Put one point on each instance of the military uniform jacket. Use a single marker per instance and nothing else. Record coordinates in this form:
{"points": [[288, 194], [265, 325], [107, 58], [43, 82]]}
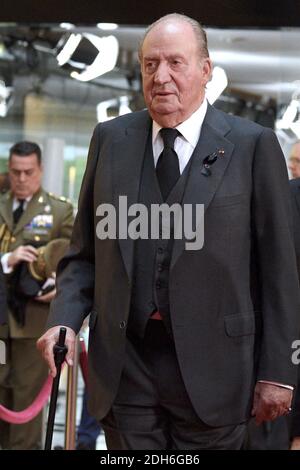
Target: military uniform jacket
{"points": [[46, 217]]}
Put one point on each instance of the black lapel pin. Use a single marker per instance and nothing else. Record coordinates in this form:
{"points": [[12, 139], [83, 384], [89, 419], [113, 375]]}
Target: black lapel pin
{"points": [[210, 160]]}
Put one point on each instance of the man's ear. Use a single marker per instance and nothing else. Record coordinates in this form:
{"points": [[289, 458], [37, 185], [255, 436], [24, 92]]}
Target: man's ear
{"points": [[207, 70]]}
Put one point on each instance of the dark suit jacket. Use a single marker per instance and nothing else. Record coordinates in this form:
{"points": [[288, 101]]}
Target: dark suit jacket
{"points": [[243, 278], [295, 190]]}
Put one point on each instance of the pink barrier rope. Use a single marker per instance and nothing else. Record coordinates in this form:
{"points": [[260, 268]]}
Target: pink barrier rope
{"points": [[83, 361], [21, 417]]}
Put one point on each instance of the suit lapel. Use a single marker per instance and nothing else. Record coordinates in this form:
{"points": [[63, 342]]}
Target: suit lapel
{"points": [[128, 156], [200, 189]]}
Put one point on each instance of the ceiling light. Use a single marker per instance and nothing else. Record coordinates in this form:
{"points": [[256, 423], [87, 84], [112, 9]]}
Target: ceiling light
{"points": [[5, 98], [124, 105], [217, 84], [289, 115], [121, 103], [106, 59], [67, 26], [107, 26], [87, 55], [289, 119], [68, 49]]}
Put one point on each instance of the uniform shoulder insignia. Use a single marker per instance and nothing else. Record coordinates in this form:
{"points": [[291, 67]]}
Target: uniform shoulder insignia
{"points": [[4, 196], [59, 198]]}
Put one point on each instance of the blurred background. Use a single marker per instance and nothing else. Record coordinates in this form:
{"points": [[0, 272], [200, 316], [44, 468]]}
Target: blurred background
{"points": [[58, 79]]}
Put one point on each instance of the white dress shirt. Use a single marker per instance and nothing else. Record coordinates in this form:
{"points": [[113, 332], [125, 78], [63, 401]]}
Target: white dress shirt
{"points": [[186, 142], [16, 203]]}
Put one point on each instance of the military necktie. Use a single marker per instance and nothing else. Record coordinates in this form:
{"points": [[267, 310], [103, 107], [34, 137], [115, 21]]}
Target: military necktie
{"points": [[167, 168], [18, 211]]}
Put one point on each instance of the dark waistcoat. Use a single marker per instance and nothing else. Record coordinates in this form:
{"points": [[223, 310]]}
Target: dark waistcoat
{"points": [[152, 257]]}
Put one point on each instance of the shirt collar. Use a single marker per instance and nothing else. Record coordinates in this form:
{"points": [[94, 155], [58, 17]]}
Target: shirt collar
{"points": [[26, 200], [189, 129]]}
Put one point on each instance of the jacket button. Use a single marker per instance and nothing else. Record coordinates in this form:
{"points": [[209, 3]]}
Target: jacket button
{"points": [[122, 324]]}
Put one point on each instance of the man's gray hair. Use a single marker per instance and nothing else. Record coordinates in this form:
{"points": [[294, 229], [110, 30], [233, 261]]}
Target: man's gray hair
{"points": [[200, 34]]}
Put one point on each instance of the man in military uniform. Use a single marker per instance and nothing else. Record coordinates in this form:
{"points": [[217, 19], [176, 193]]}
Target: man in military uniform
{"points": [[29, 218]]}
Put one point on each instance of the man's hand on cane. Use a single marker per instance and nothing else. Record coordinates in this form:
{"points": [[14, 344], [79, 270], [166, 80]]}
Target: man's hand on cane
{"points": [[46, 343]]}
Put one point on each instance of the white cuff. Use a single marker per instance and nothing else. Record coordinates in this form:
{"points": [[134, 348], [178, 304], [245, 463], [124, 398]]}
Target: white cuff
{"points": [[277, 384], [4, 261]]}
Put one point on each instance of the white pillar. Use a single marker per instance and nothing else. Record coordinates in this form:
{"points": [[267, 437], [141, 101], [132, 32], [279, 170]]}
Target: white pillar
{"points": [[53, 165]]}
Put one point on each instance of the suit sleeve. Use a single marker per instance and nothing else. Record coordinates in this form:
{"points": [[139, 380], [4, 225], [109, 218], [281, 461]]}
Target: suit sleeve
{"points": [[75, 273], [276, 261], [295, 193]]}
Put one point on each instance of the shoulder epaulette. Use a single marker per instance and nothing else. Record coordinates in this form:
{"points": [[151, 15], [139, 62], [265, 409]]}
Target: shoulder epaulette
{"points": [[5, 196], [59, 198]]}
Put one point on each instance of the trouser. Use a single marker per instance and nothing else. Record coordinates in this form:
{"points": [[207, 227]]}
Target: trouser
{"points": [[21, 378], [271, 435], [152, 410]]}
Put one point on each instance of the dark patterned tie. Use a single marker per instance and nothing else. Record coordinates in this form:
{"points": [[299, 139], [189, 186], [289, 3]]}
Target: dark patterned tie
{"points": [[167, 168], [18, 211]]}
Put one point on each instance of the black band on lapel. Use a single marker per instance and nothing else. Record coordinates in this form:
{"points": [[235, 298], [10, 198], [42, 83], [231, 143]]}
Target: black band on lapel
{"points": [[210, 160]]}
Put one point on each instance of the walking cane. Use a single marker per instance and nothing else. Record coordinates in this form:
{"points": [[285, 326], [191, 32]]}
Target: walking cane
{"points": [[59, 351]]}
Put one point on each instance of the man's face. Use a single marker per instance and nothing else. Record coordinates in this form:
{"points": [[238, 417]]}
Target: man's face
{"points": [[25, 175], [174, 74], [294, 161]]}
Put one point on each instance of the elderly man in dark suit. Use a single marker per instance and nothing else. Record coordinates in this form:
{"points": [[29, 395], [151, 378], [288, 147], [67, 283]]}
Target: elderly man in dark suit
{"points": [[185, 343]]}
